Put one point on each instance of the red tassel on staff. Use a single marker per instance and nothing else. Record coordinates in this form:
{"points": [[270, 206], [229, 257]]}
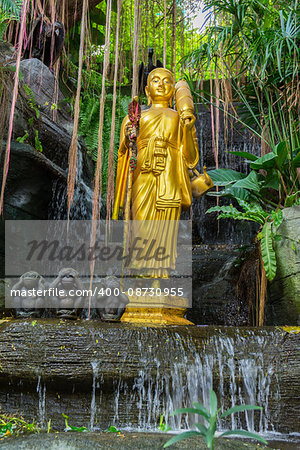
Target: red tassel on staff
{"points": [[134, 114]]}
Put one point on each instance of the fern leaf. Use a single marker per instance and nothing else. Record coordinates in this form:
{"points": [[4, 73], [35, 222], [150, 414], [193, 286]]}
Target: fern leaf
{"points": [[223, 209], [11, 8]]}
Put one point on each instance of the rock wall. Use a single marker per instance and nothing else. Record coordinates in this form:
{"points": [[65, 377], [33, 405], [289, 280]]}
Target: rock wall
{"points": [[284, 291], [206, 228], [34, 176]]}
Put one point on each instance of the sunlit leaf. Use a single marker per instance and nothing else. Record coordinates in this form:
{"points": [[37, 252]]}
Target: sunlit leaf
{"points": [[244, 433], [239, 408], [267, 251], [224, 177], [180, 437], [246, 155], [265, 162], [213, 403], [250, 182]]}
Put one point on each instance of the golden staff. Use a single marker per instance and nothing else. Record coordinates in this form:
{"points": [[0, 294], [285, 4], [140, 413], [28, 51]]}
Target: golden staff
{"points": [[132, 132]]}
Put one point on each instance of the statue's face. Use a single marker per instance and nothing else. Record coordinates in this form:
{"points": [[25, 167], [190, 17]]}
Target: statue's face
{"points": [[160, 85], [30, 279]]}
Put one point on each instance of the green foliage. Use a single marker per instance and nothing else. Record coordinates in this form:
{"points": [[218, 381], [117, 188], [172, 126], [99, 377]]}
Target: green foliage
{"points": [[259, 193], [151, 34], [224, 177], [31, 100], [70, 428], [254, 45], [278, 184], [37, 143], [162, 425], [212, 417], [112, 429], [269, 223], [13, 426], [253, 212], [24, 138], [89, 127], [261, 34], [9, 10], [267, 250]]}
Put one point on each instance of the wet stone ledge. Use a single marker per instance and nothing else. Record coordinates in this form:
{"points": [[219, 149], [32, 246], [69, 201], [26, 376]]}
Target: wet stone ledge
{"points": [[103, 374]]}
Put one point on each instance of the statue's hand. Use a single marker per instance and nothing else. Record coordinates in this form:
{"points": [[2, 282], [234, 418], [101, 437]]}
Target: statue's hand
{"points": [[187, 119]]}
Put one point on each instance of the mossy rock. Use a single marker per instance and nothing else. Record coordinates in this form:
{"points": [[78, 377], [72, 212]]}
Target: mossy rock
{"points": [[285, 289]]}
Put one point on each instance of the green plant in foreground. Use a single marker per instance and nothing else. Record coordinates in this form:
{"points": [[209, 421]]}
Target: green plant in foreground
{"points": [[70, 428], [112, 429], [212, 417], [162, 425]]}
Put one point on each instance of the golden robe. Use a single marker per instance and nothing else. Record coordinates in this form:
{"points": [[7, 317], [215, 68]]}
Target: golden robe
{"points": [[161, 183]]}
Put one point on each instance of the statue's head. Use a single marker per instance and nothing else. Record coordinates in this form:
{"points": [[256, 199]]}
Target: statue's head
{"points": [[160, 86], [30, 279], [68, 276]]}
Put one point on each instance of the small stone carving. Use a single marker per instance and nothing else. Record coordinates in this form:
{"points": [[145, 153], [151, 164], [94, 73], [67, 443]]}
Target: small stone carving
{"points": [[111, 305], [28, 302], [66, 293]]}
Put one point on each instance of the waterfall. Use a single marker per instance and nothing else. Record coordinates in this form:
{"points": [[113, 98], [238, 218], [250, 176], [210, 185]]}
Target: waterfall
{"points": [[129, 376], [206, 228], [95, 365], [41, 390], [237, 379], [83, 197]]}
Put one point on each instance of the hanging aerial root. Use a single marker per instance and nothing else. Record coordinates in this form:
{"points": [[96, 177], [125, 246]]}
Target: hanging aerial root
{"points": [[4, 103], [97, 185], [74, 141], [111, 169], [14, 100], [251, 287], [262, 291]]}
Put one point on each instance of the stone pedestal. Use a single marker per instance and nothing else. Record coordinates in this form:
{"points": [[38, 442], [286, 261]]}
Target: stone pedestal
{"points": [[154, 310]]}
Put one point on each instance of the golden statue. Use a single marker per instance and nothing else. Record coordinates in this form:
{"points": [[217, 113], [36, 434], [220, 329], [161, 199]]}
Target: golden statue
{"points": [[167, 152]]}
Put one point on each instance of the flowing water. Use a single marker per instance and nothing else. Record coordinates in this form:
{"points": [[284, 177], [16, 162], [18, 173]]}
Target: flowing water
{"points": [[41, 390], [110, 374], [174, 371], [83, 197], [177, 372], [243, 380]]}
